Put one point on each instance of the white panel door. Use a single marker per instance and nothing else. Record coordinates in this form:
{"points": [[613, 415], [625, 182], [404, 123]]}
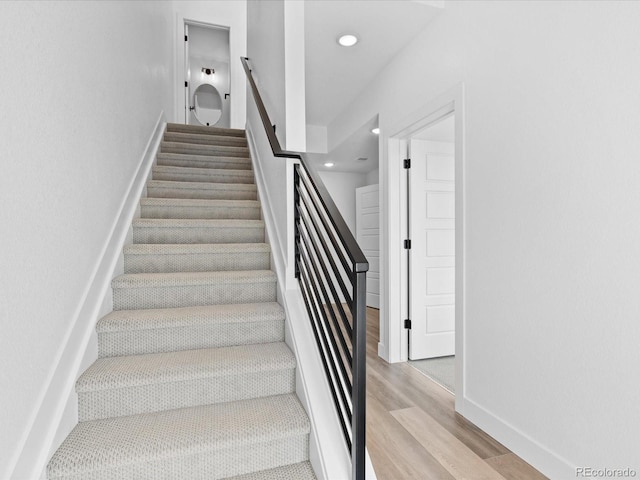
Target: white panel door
{"points": [[368, 237], [432, 255]]}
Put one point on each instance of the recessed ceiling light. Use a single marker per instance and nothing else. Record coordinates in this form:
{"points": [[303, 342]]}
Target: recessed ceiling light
{"points": [[329, 164], [375, 130], [348, 40]]}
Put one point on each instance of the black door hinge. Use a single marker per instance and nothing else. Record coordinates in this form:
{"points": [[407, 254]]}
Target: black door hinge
{"points": [[407, 324], [186, 84], [407, 244], [407, 163], [186, 39]]}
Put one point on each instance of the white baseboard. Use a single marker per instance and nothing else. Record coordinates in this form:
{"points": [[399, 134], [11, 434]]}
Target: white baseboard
{"points": [[544, 460], [383, 351], [56, 413]]}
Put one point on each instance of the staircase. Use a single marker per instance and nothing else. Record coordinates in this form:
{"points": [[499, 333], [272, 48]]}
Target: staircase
{"points": [[193, 378]]}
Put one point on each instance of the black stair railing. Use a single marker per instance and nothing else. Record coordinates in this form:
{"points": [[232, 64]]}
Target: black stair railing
{"points": [[331, 270]]}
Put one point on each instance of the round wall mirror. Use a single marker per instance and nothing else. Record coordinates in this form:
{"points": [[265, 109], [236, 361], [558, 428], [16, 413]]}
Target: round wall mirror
{"points": [[207, 104]]}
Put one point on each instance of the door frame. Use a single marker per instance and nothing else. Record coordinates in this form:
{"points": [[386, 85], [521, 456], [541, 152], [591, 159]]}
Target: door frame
{"points": [[237, 80], [393, 345], [185, 64]]}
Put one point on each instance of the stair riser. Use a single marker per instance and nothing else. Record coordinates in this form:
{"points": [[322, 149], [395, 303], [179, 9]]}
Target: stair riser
{"points": [[211, 464], [206, 150], [194, 138], [193, 295], [197, 235], [197, 161], [157, 263], [201, 391], [215, 176], [202, 130], [116, 344], [204, 194], [204, 212]]}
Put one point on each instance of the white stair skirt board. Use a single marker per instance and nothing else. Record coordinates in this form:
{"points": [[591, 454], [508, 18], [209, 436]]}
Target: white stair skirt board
{"points": [[194, 379]]}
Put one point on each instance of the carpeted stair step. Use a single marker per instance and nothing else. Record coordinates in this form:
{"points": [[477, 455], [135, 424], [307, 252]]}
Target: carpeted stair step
{"points": [[190, 289], [190, 174], [118, 386], [202, 130], [202, 190], [297, 471], [200, 161], [204, 139], [158, 258], [154, 230], [209, 150], [206, 442], [135, 332], [198, 208]]}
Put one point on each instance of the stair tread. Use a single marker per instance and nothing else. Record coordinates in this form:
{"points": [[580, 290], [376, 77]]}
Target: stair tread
{"points": [[205, 139], [178, 127], [154, 368], [201, 185], [208, 172], [295, 471], [197, 223], [200, 149], [150, 319], [155, 280], [201, 146], [199, 202], [112, 442], [195, 248], [206, 161]]}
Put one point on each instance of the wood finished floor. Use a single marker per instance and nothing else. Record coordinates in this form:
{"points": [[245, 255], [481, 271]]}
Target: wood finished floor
{"points": [[413, 431]]}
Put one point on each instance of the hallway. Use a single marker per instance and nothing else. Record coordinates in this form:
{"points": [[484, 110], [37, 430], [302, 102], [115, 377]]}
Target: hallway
{"points": [[414, 433]]}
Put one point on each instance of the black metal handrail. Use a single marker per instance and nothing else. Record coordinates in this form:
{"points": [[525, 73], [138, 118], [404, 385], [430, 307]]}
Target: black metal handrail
{"points": [[326, 255]]}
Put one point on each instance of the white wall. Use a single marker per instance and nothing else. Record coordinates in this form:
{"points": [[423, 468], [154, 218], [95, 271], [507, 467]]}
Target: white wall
{"points": [[371, 177], [342, 188], [79, 103], [275, 45], [265, 49], [226, 13], [273, 67], [552, 175], [316, 138], [294, 77]]}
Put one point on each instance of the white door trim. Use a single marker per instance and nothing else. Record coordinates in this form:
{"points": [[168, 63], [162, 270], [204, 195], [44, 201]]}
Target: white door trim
{"points": [[237, 79], [394, 338]]}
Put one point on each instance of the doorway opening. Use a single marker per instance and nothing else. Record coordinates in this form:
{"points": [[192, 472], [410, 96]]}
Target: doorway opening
{"points": [[442, 279], [431, 258], [207, 75]]}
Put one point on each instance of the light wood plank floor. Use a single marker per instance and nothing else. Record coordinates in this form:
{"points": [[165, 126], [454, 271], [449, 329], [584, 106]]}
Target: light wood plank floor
{"points": [[413, 431]]}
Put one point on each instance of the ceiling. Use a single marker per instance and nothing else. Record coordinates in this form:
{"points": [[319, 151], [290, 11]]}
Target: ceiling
{"points": [[335, 75], [349, 155]]}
